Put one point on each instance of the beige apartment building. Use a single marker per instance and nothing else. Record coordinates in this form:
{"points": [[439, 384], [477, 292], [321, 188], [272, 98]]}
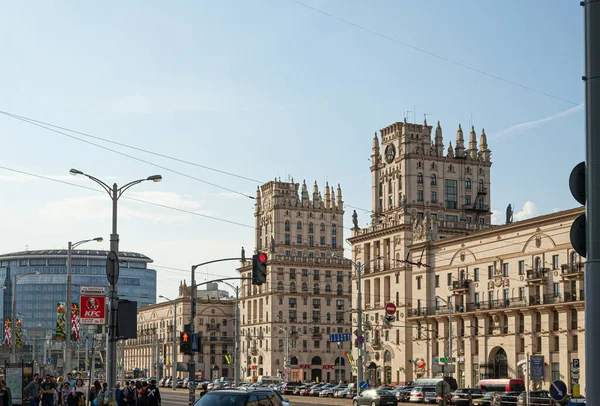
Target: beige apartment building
{"points": [[514, 290], [420, 190], [215, 321], [286, 322]]}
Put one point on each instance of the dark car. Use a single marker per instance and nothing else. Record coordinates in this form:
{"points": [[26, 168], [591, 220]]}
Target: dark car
{"points": [[404, 394], [461, 396], [232, 397], [536, 397], [375, 397], [509, 398]]}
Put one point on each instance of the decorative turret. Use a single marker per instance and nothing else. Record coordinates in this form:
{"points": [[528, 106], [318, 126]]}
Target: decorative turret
{"points": [[460, 143], [339, 202], [327, 196], [315, 198], [483, 146], [333, 206], [258, 200], [305, 199], [450, 151], [375, 152], [439, 140], [473, 143]]}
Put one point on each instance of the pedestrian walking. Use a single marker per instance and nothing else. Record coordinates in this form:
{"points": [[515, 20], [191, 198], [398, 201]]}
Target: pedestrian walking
{"points": [[32, 391]]}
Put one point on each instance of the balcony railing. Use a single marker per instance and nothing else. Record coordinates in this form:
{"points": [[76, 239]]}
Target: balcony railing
{"points": [[537, 274], [458, 286], [213, 326], [376, 344], [572, 269]]}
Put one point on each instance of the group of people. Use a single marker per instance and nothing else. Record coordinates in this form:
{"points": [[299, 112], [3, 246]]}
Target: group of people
{"points": [[71, 392], [53, 391]]}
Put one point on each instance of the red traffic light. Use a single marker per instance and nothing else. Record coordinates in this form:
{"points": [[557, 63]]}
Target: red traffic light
{"points": [[262, 257], [186, 337]]}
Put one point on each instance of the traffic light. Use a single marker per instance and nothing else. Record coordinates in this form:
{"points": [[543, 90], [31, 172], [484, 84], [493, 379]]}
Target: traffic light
{"points": [[259, 268], [577, 186], [185, 343]]}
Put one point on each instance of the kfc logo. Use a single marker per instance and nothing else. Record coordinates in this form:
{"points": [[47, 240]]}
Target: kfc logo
{"points": [[92, 310]]}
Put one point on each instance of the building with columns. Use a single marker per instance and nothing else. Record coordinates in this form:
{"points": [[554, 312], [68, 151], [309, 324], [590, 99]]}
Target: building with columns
{"points": [[420, 190], [215, 322], [514, 290], [307, 295]]}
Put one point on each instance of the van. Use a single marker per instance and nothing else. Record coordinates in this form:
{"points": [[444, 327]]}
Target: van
{"points": [[501, 385], [434, 381], [268, 380]]}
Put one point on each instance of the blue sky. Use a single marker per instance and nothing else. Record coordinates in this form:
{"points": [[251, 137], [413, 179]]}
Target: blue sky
{"points": [[251, 87]]}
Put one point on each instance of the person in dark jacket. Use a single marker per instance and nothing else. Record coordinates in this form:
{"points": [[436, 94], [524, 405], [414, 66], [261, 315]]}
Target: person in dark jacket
{"points": [[32, 391], [153, 394]]}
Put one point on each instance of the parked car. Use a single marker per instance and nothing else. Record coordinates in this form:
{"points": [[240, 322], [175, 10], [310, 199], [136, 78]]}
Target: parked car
{"points": [[239, 398], [375, 397], [461, 396]]}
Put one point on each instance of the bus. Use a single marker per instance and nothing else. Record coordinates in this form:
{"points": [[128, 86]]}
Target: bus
{"points": [[268, 380], [501, 385]]}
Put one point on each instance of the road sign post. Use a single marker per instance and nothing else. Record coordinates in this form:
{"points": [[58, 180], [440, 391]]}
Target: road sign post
{"points": [[390, 309], [558, 390]]}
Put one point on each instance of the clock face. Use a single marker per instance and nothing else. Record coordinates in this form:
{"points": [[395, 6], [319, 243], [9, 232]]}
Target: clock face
{"points": [[390, 153]]}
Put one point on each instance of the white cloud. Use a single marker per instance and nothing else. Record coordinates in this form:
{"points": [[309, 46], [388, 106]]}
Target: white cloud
{"points": [[522, 127], [528, 211], [15, 177], [496, 217], [99, 208], [228, 195]]}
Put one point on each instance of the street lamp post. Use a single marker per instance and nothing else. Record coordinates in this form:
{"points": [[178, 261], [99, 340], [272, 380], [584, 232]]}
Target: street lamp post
{"points": [[359, 332], [14, 315], [449, 303], [174, 356], [115, 193], [68, 305], [237, 362]]}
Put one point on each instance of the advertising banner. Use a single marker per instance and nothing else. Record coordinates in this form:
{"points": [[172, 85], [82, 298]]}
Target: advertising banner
{"points": [[7, 331], [92, 305], [537, 367], [60, 321], [19, 333], [75, 322]]}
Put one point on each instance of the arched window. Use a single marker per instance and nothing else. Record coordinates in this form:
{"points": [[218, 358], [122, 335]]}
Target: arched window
{"points": [[322, 227], [316, 361], [462, 275], [573, 258], [480, 185], [328, 288], [299, 225], [333, 229], [280, 286], [538, 263], [468, 183], [294, 360], [433, 180], [280, 315], [260, 359], [310, 228], [292, 286], [419, 177], [340, 290], [316, 288], [304, 287], [287, 225], [387, 356]]}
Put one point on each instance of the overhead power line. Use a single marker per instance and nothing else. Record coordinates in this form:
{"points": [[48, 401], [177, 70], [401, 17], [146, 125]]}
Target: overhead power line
{"points": [[127, 155], [434, 55], [128, 197]]}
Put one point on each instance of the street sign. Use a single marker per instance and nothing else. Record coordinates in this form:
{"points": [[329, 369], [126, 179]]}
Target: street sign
{"points": [[339, 338], [288, 364], [575, 362], [536, 363], [442, 388], [390, 319], [575, 377], [112, 268], [287, 370], [92, 305], [390, 308], [363, 385], [360, 339], [558, 390]]}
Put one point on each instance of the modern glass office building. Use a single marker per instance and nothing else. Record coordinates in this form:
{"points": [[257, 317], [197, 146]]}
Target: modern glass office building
{"points": [[37, 296]]}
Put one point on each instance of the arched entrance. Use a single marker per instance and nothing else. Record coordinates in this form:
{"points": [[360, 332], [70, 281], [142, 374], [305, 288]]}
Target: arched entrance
{"points": [[499, 363], [315, 372], [387, 368]]}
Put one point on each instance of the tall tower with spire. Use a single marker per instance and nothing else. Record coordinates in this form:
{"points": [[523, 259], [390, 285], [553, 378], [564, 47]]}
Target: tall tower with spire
{"points": [[422, 191], [307, 295]]}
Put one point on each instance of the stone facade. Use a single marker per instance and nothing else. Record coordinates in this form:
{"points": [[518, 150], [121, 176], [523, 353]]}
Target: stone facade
{"points": [[307, 295], [215, 321]]}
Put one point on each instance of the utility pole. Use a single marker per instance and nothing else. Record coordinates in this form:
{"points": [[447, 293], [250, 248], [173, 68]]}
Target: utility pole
{"points": [[450, 334], [68, 315], [157, 359], [174, 357], [191, 362], [359, 332], [286, 355], [238, 362], [592, 188]]}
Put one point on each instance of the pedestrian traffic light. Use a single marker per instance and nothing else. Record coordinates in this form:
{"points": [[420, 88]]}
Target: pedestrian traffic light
{"points": [[259, 268], [578, 228], [185, 343]]}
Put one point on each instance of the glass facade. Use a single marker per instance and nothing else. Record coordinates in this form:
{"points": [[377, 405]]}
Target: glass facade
{"points": [[38, 295]]}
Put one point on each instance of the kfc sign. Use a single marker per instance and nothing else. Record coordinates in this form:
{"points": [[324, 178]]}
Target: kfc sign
{"points": [[92, 305], [328, 366]]}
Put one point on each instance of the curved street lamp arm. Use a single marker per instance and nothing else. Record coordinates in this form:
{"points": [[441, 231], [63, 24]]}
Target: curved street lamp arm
{"points": [[98, 181], [122, 189]]}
